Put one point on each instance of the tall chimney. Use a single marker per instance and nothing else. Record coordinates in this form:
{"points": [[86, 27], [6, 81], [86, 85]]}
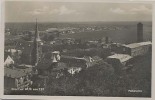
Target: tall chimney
{"points": [[139, 32]]}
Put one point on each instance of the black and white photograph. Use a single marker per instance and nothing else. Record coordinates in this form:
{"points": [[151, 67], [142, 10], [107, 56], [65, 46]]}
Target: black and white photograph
{"points": [[91, 49]]}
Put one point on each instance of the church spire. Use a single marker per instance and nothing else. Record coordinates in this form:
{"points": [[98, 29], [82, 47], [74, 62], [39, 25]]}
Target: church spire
{"points": [[36, 32], [35, 53]]}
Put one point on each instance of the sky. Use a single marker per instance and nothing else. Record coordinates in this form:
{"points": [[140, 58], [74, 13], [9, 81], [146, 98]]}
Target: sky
{"points": [[28, 11]]}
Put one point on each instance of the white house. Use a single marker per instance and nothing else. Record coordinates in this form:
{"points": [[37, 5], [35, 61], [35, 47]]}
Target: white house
{"points": [[8, 60], [120, 58], [74, 70]]}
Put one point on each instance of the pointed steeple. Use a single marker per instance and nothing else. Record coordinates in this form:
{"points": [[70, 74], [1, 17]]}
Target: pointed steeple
{"points": [[35, 53], [37, 37]]}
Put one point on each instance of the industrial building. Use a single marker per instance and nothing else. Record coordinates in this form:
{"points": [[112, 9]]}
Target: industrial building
{"points": [[136, 49]]}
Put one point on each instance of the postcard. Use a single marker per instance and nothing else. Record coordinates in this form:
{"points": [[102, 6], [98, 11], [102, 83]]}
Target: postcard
{"points": [[71, 49]]}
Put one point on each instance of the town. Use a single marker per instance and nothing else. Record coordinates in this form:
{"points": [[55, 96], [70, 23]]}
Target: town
{"points": [[34, 61]]}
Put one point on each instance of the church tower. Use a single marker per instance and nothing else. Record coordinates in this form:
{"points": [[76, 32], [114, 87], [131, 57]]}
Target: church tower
{"points": [[35, 49]]}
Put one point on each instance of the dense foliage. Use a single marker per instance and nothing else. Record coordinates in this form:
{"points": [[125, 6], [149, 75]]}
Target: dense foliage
{"points": [[102, 80]]}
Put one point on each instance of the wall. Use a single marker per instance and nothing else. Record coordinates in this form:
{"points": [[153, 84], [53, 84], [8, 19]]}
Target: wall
{"points": [[137, 51]]}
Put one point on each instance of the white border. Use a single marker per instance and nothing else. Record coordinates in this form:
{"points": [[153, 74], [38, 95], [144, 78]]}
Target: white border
{"points": [[75, 97]]}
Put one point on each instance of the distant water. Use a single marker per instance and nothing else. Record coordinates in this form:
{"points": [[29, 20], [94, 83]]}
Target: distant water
{"points": [[127, 35]]}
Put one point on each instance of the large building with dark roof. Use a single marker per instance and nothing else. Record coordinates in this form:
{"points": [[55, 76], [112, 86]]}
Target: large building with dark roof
{"points": [[137, 49]]}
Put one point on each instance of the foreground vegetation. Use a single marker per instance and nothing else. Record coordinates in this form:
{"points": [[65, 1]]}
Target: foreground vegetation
{"points": [[101, 80]]}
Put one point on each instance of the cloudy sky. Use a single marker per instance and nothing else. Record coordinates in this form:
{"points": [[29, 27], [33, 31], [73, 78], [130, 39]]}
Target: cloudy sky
{"points": [[28, 11]]}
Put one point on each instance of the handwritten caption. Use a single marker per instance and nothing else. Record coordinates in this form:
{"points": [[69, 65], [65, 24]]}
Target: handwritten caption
{"points": [[27, 89], [135, 91]]}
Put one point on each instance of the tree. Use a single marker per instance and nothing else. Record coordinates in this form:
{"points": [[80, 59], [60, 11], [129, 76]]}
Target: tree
{"points": [[51, 38]]}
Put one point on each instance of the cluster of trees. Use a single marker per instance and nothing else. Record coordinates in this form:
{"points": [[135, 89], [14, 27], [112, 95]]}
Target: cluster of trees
{"points": [[103, 53], [50, 36], [47, 37], [90, 82], [102, 80]]}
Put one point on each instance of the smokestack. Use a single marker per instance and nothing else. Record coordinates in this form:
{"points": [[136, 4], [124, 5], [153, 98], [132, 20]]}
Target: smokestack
{"points": [[139, 32]]}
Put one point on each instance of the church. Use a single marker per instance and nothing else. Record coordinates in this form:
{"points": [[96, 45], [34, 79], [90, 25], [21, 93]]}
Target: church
{"points": [[31, 50]]}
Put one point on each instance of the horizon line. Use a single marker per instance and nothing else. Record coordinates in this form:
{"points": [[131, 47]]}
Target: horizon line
{"points": [[72, 21]]}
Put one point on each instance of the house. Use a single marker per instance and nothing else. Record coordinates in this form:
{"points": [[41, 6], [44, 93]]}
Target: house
{"points": [[58, 41], [74, 61], [58, 64], [60, 69], [136, 49], [106, 46], [74, 70], [8, 60], [118, 60], [47, 67], [13, 51], [92, 43], [25, 66], [105, 40], [82, 62], [96, 58], [51, 64], [55, 56], [68, 41], [56, 67], [90, 61], [15, 54], [52, 42], [17, 78]]}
